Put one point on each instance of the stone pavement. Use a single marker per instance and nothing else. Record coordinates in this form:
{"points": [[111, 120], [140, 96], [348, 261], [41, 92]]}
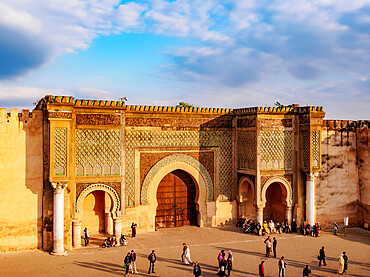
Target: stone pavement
{"points": [[205, 244]]}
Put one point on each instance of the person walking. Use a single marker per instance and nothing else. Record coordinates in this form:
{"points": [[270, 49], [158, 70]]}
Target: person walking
{"points": [[341, 264], [133, 262], [274, 245], [196, 270], [152, 258], [86, 236], [186, 254], [282, 265], [322, 256], [345, 258], [126, 263], [306, 271], [229, 263], [133, 229], [261, 269]]}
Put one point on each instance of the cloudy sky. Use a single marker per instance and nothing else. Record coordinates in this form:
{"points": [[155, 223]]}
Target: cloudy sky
{"points": [[211, 53]]}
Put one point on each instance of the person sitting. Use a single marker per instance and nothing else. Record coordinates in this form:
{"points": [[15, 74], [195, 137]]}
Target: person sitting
{"points": [[105, 244], [272, 227], [109, 242], [114, 241], [123, 240], [278, 227], [265, 228]]}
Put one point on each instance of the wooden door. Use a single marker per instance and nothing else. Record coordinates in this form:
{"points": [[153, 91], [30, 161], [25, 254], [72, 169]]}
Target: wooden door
{"points": [[176, 201]]}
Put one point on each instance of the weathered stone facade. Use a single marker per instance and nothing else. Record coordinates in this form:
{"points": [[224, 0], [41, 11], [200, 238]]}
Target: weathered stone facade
{"points": [[261, 162]]}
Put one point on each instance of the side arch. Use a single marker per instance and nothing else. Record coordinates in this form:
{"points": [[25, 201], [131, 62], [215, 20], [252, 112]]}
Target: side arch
{"points": [[249, 180], [95, 187], [282, 181]]}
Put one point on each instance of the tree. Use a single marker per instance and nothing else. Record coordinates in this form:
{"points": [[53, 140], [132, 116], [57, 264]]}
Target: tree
{"points": [[184, 105]]}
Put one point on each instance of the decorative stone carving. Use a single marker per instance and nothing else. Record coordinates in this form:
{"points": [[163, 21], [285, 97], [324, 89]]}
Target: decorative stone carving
{"points": [[98, 119], [98, 152], [60, 151], [60, 115], [108, 189], [276, 150], [171, 159], [164, 138], [268, 123], [179, 122], [246, 145], [114, 185]]}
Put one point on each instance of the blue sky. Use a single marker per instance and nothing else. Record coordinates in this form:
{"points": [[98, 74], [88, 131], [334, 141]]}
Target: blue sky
{"points": [[206, 52]]}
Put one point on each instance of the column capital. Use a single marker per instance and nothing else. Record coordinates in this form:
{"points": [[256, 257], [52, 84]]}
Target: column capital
{"points": [[311, 176], [59, 187]]}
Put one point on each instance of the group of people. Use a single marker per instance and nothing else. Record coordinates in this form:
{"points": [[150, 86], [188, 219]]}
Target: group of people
{"points": [[129, 263], [343, 260], [270, 246], [110, 242], [281, 264], [309, 230], [225, 263], [250, 226]]}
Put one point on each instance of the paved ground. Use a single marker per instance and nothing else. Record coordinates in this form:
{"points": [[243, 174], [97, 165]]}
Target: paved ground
{"points": [[205, 244]]}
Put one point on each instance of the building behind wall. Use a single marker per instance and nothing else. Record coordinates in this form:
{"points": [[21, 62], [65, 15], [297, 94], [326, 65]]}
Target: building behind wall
{"points": [[168, 166]]}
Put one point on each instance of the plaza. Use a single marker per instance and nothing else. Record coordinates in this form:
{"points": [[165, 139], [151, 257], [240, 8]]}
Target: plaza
{"points": [[205, 244]]}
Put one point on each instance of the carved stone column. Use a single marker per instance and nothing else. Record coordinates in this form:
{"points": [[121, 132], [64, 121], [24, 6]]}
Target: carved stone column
{"points": [[76, 229], [288, 214], [260, 214], [108, 223], [58, 219], [310, 199], [117, 229]]}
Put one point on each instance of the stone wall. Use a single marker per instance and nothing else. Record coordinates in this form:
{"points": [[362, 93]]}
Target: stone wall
{"points": [[342, 187], [20, 180]]}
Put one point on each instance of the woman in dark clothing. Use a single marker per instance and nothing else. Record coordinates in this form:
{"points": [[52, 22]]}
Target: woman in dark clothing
{"points": [[306, 271], [345, 258], [222, 270], [127, 262], [197, 271], [229, 264]]}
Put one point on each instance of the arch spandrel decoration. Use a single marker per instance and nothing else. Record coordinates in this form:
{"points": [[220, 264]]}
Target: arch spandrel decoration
{"points": [[96, 187], [173, 159], [284, 182]]}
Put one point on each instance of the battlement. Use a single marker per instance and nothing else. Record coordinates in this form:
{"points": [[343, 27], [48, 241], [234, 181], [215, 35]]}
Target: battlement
{"points": [[25, 116], [282, 109], [169, 109], [69, 100], [342, 124]]}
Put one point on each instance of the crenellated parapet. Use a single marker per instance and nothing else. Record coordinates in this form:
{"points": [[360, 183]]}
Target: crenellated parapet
{"points": [[23, 119]]}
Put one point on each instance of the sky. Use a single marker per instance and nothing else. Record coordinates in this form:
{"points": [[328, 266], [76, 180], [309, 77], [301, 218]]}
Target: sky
{"points": [[209, 53]]}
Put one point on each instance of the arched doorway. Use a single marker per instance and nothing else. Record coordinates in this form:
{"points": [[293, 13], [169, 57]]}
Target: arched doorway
{"points": [[246, 196], [275, 207], [97, 212], [176, 194]]}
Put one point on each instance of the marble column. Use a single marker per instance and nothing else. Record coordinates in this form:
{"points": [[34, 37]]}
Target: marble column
{"points": [[108, 223], [117, 229], [310, 199], [288, 214], [58, 221], [76, 229]]}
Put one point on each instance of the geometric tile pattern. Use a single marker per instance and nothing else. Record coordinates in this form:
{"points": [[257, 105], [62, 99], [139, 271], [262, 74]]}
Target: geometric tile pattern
{"points": [[60, 151], [315, 148], [171, 159], [161, 138], [276, 150], [306, 148], [246, 149], [98, 152]]}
